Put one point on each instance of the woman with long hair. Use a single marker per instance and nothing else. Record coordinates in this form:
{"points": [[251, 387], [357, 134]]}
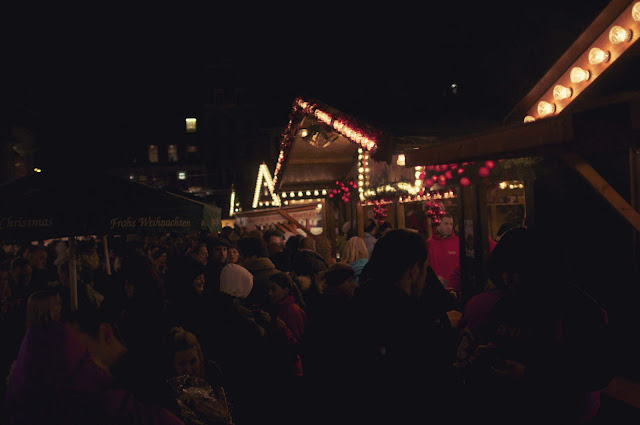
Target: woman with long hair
{"points": [[193, 397], [42, 306], [356, 255]]}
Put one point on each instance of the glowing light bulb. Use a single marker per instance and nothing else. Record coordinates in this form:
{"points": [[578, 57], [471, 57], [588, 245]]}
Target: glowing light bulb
{"points": [[635, 12], [619, 35], [546, 108], [579, 75], [529, 118], [597, 56], [561, 92]]}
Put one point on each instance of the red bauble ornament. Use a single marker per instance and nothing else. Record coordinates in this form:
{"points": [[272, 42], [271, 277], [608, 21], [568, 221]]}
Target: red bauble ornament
{"points": [[434, 177], [443, 167], [437, 168], [422, 176], [448, 174], [483, 172], [453, 166], [489, 164], [429, 183], [460, 170], [465, 181], [430, 167]]}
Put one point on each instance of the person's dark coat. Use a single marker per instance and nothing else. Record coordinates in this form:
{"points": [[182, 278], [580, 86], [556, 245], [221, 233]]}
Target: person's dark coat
{"points": [[399, 357]]}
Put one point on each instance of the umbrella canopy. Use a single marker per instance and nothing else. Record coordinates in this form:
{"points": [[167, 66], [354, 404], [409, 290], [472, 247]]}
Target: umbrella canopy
{"points": [[62, 203]]}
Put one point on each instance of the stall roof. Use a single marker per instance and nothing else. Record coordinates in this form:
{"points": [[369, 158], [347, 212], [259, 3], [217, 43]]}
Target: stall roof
{"points": [[320, 145]]}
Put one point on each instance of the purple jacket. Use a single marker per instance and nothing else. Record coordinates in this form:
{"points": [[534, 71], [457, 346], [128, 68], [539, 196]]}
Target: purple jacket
{"points": [[54, 380]]}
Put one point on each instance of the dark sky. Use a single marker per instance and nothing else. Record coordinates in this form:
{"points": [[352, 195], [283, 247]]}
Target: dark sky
{"points": [[93, 71]]}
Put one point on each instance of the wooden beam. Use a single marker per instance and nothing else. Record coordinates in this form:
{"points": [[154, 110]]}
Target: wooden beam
{"points": [[516, 141], [601, 186], [597, 27], [332, 160], [294, 221], [400, 220]]}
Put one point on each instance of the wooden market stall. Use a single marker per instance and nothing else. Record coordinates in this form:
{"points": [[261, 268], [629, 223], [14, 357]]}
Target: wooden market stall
{"points": [[320, 171], [574, 143]]}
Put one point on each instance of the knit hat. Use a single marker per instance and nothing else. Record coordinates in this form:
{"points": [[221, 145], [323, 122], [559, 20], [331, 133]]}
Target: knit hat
{"points": [[236, 281]]}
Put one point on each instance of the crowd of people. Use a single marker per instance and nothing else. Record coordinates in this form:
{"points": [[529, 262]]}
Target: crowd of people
{"points": [[251, 326]]}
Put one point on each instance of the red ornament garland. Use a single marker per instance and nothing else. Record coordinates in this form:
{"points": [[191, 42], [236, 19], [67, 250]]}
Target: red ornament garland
{"points": [[379, 211], [435, 211], [444, 174], [343, 190]]}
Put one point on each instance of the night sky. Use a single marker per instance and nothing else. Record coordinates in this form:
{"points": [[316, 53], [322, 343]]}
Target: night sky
{"points": [[390, 65]]}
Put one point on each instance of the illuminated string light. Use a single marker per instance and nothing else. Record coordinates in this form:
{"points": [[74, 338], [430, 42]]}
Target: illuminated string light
{"points": [[232, 203], [561, 92], [546, 108], [579, 75], [598, 56], [264, 179], [618, 35]]}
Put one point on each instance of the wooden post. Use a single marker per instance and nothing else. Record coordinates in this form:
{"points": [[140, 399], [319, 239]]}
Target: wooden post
{"points": [[482, 238], [360, 220], [529, 203], [603, 188], [107, 260], [399, 214], [328, 219], [634, 176]]}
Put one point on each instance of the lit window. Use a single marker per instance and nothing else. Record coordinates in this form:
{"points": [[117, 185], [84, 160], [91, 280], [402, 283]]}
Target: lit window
{"points": [[153, 153], [172, 153], [191, 125], [182, 175]]}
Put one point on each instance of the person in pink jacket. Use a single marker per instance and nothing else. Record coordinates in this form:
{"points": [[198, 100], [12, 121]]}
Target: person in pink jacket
{"points": [[286, 303], [62, 375], [444, 249]]}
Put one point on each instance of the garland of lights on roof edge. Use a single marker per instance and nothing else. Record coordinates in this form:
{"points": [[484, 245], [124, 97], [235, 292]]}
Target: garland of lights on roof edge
{"points": [[345, 125]]}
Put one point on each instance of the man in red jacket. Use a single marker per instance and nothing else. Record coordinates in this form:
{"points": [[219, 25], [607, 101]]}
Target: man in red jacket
{"points": [[444, 249]]}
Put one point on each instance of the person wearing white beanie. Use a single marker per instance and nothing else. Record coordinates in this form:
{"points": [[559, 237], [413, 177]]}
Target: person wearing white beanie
{"points": [[236, 281]]}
